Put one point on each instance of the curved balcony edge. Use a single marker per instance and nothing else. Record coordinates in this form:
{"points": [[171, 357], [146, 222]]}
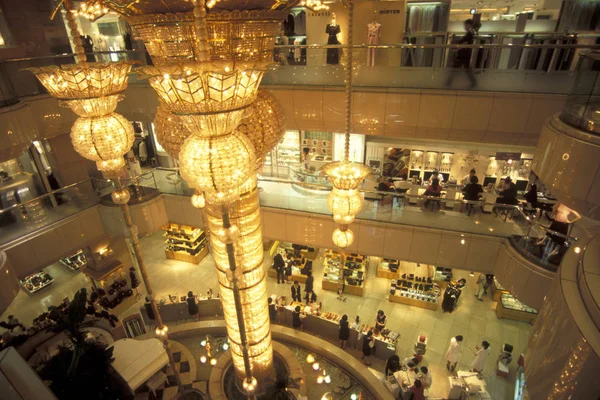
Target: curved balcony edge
{"points": [[567, 160]]}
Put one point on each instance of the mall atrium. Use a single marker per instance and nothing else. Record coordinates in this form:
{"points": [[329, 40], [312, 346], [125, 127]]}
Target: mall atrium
{"points": [[300, 199]]}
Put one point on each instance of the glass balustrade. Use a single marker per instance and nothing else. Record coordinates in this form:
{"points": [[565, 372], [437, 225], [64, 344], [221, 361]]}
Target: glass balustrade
{"points": [[525, 68], [524, 227]]}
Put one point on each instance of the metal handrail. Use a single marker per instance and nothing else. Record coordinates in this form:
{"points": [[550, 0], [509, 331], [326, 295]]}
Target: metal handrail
{"points": [[356, 46], [313, 186], [37, 199]]}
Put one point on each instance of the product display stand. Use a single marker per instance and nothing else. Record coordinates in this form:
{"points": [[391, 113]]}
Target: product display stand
{"points": [[185, 243], [301, 255], [388, 269], [418, 290], [36, 282], [110, 282], [510, 308], [354, 271]]}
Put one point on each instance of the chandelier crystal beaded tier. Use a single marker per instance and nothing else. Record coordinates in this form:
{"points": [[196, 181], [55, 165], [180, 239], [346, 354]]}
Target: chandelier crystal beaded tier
{"points": [[92, 91], [170, 131]]}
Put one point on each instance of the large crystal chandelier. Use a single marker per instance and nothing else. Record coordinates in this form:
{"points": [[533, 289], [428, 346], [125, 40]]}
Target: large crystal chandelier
{"points": [[92, 91], [345, 200], [207, 71]]}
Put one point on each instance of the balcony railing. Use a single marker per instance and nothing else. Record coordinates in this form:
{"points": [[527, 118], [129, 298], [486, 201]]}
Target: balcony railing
{"points": [[520, 225], [527, 68]]}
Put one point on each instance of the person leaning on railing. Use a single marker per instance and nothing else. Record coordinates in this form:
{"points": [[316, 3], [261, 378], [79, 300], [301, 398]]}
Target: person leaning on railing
{"points": [[561, 218]]}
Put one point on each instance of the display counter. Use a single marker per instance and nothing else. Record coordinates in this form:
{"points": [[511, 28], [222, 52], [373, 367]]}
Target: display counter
{"points": [[75, 261], [326, 326], [497, 290], [111, 283], [354, 272], [416, 299], [388, 269], [36, 282], [177, 310], [185, 243], [510, 308]]}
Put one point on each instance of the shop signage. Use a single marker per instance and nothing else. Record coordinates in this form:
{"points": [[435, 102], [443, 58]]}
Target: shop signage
{"points": [[320, 14], [505, 156], [389, 11]]}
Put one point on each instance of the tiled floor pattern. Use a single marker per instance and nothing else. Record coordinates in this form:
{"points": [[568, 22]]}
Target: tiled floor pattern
{"points": [[475, 320]]}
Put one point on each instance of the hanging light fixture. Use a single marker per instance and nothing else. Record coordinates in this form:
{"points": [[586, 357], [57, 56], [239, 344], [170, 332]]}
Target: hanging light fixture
{"points": [[345, 201], [170, 131], [210, 83], [92, 91]]}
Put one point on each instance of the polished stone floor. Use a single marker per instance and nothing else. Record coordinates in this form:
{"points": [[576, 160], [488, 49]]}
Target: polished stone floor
{"points": [[475, 320]]}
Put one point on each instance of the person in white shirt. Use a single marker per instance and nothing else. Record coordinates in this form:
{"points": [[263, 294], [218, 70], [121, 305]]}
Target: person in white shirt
{"points": [[480, 356], [453, 353], [426, 378]]}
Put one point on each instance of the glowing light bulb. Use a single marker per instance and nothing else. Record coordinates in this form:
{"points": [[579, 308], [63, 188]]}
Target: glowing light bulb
{"points": [[315, 366], [213, 361], [310, 359], [203, 360]]}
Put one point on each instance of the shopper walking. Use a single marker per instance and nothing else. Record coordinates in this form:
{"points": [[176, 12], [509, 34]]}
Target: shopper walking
{"points": [[481, 354], [296, 319], [272, 310], [344, 332], [296, 292], [279, 266], [463, 56], [453, 353], [480, 287], [192, 306], [367, 347]]}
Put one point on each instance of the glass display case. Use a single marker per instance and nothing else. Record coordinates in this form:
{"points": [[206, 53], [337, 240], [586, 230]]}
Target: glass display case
{"points": [[446, 162], [582, 109], [511, 308], [431, 160], [353, 271], [416, 159]]}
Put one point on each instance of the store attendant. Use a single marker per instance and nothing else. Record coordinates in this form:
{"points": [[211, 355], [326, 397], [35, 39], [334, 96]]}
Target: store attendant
{"points": [[296, 292], [381, 320], [272, 310], [279, 266]]}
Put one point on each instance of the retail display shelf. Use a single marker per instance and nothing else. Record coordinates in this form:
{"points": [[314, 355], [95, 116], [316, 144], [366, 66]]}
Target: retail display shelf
{"points": [[185, 243], [388, 269], [354, 272]]}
